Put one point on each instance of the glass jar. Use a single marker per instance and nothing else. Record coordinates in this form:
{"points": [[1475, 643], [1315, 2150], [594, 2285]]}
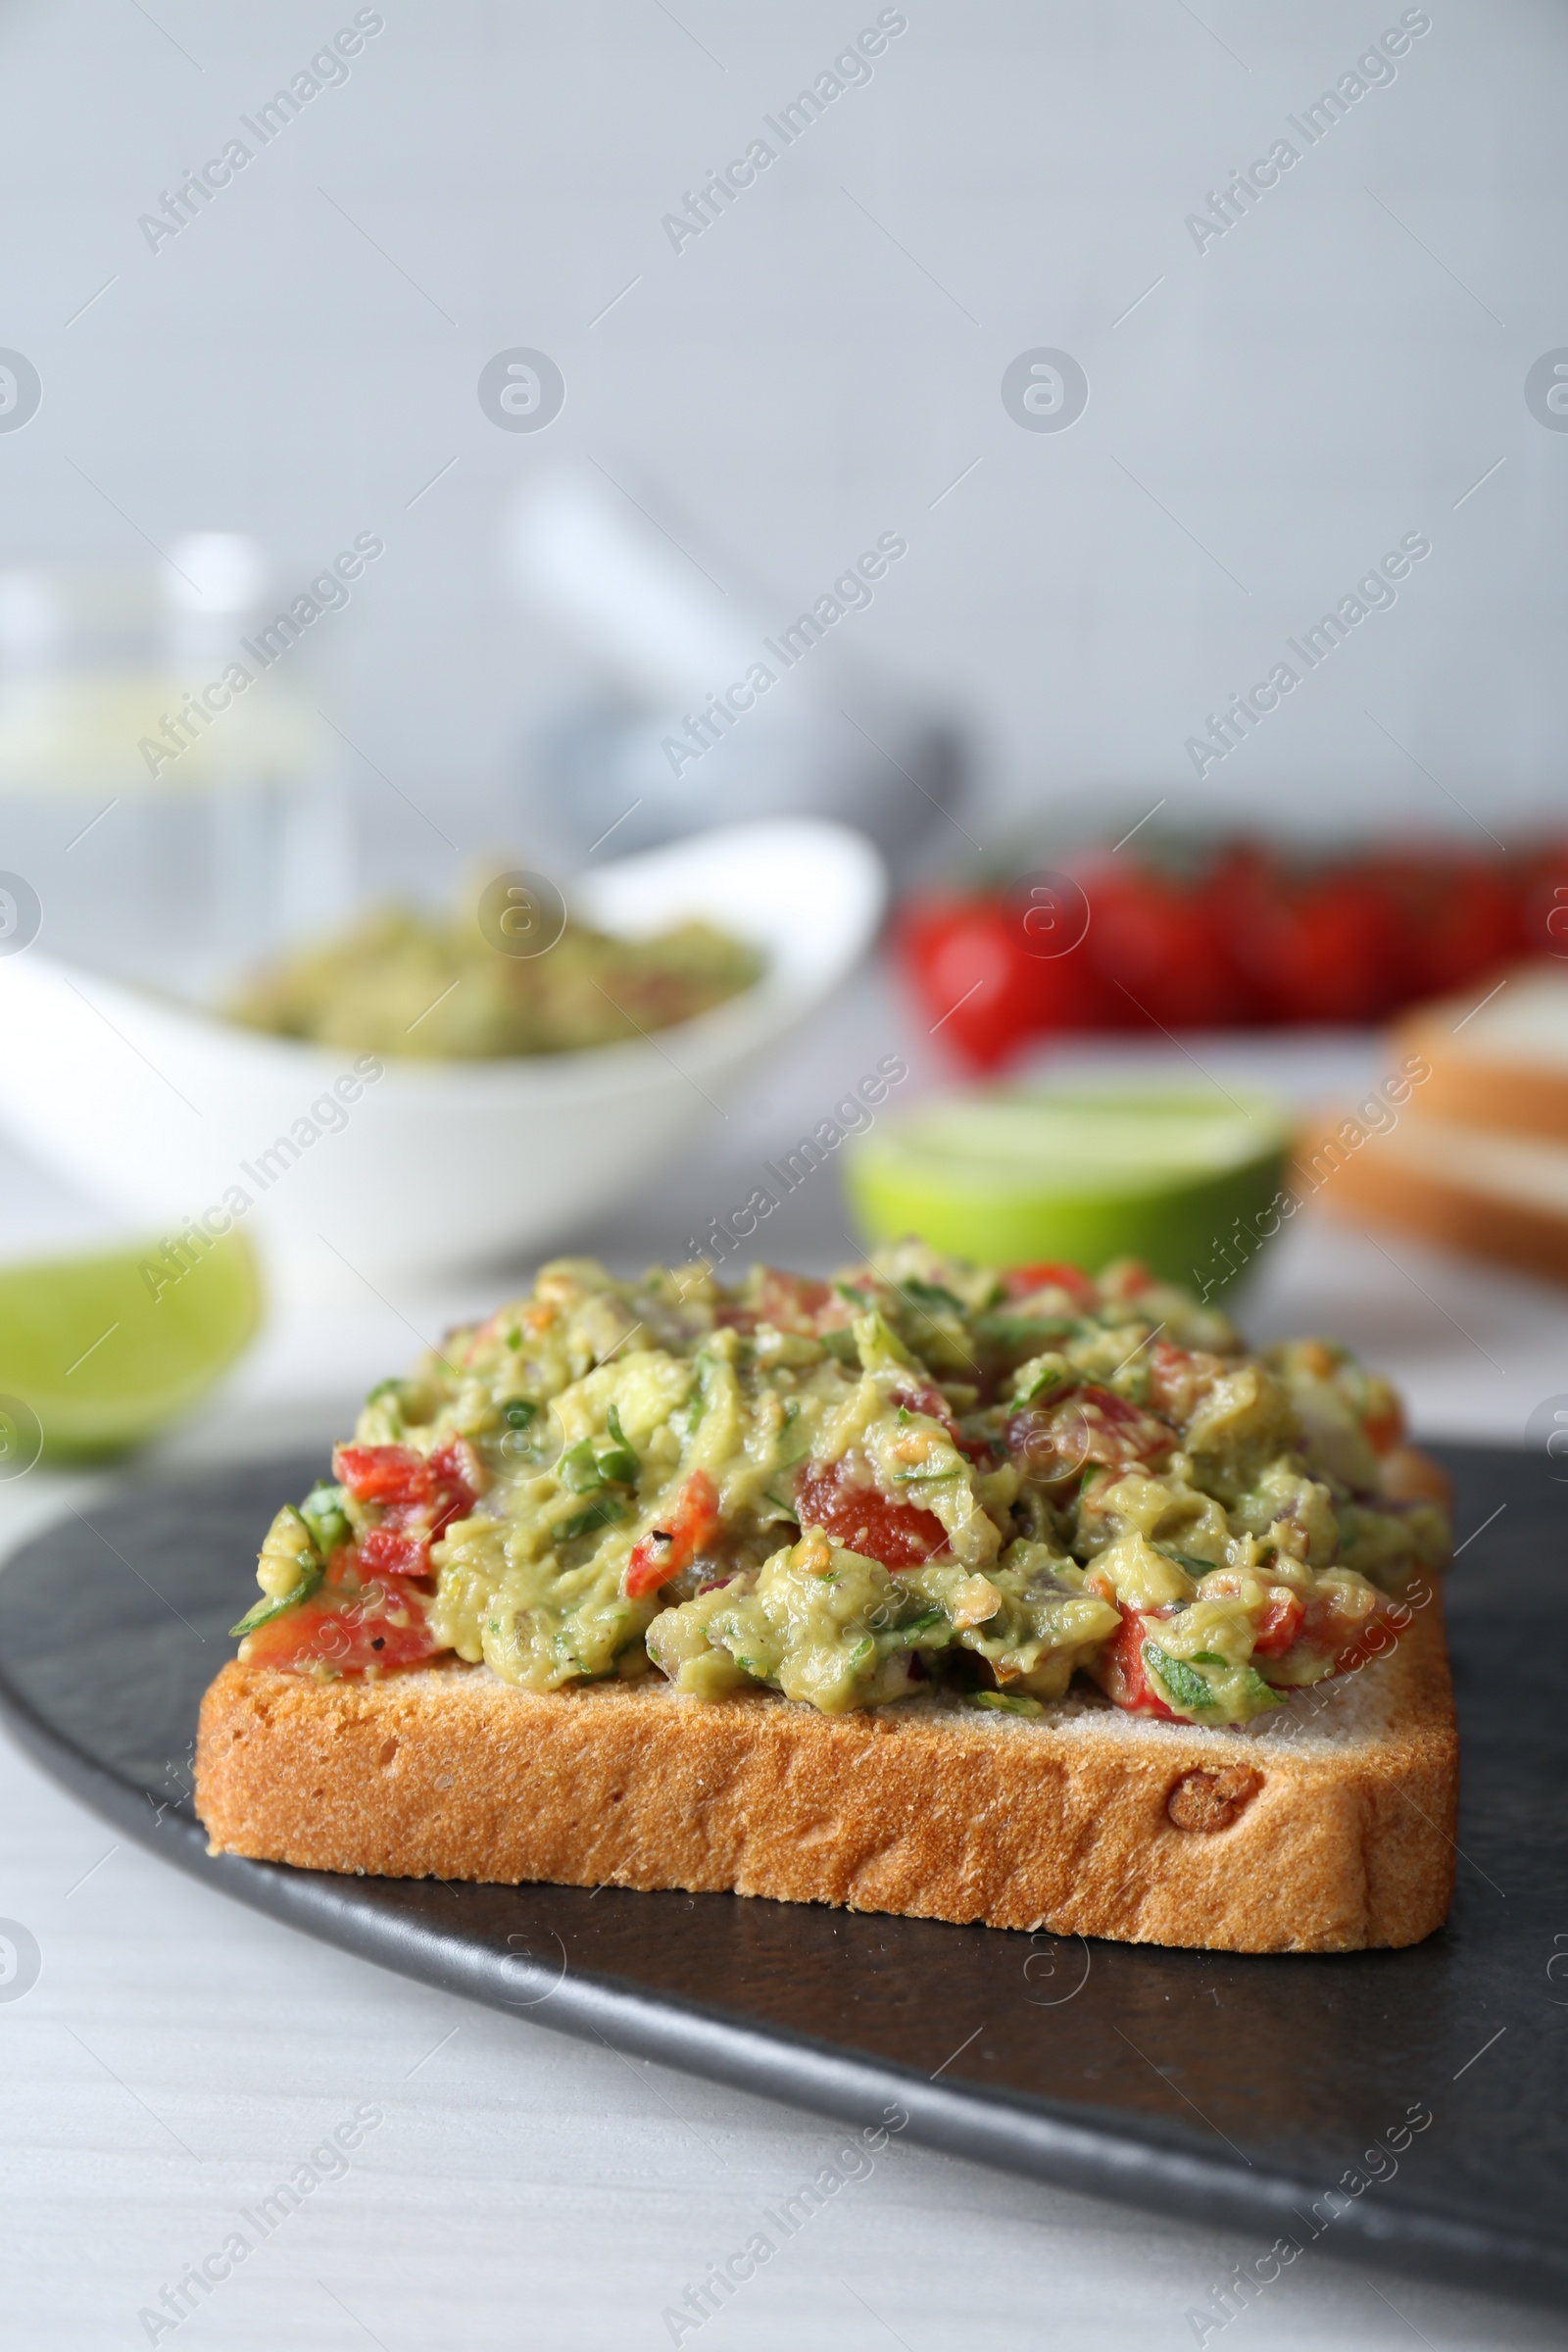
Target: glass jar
{"points": [[167, 790]]}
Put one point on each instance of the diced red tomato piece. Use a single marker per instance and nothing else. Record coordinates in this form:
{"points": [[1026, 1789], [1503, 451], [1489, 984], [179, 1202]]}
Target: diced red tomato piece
{"points": [[665, 1553], [1170, 1378], [1408, 1475], [1054, 1440], [384, 1625], [384, 1473], [456, 1465], [1349, 1642], [861, 1519], [1278, 1626], [1022, 1282], [1121, 1666], [837, 1312], [419, 1498], [923, 1396], [1384, 1429], [791, 1302], [390, 1551]]}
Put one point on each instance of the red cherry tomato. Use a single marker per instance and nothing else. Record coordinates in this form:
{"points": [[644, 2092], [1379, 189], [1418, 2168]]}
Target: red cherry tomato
{"points": [[383, 1624], [1541, 901], [861, 1519], [664, 1551], [1319, 948], [981, 985], [1455, 918], [1154, 944]]}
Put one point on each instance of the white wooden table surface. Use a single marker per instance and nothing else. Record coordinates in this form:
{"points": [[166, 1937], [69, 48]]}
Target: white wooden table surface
{"points": [[179, 2056]]}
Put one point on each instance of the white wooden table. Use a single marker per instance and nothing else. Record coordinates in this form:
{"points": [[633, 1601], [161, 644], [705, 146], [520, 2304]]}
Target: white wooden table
{"points": [[179, 2057]]}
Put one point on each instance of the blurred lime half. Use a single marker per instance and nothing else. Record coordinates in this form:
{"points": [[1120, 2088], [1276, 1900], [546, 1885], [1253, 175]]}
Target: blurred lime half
{"points": [[1183, 1181], [98, 1352]]}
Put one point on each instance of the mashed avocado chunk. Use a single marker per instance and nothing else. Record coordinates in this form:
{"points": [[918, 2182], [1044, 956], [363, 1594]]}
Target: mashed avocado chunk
{"points": [[922, 1476]]}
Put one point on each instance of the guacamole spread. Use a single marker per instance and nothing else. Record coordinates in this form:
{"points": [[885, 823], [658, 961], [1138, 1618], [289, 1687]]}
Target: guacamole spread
{"points": [[920, 1473], [421, 985]]}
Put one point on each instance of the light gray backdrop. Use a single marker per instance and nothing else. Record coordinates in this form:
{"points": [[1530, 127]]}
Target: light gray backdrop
{"points": [[1339, 368]]}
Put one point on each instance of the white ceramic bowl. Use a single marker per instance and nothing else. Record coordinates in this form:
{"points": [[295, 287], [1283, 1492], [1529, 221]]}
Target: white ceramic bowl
{"points": [[160, 1111]]}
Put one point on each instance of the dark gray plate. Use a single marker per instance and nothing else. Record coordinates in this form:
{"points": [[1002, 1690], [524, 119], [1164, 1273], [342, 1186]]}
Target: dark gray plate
{"points": [[1274, 2095]]}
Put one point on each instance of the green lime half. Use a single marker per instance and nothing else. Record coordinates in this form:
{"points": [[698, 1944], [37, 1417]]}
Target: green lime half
{"points": [[97, 1353], [1183, 1181]]}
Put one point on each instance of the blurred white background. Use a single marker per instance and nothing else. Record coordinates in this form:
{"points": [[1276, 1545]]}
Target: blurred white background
{"points": [[824, 361]]}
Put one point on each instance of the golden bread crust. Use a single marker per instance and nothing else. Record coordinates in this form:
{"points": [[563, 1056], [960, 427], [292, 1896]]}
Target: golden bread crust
{"points": [[1073, 1822]]}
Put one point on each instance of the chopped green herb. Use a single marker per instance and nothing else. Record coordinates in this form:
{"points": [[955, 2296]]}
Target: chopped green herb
{"points": [[616, 1461], [578, 1468], [1209, 1657], [1186, 1688], [1187, 1559], [699, 1396], [841, 1346], [262, 1611], [518, 1411], [602, 1514], [324, 1514], [913, 1635], [929, 1295], [1004, 1702], [1034, 1332]]}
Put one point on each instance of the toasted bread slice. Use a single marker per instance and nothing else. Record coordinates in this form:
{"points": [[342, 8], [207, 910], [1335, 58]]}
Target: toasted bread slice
{"points": [[1471, 1189], [1326, 1825], [1502, 1063]]}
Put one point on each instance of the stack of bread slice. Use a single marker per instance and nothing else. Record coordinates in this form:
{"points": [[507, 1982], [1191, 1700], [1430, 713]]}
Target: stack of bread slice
{"points": [[1476, 1156]]}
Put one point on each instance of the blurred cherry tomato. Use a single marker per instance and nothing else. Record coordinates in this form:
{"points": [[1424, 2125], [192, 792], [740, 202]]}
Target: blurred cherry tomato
{"points": [[1155, 945], [1316, 947], [978, 982], [1456, 918], [1540, 898]]}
